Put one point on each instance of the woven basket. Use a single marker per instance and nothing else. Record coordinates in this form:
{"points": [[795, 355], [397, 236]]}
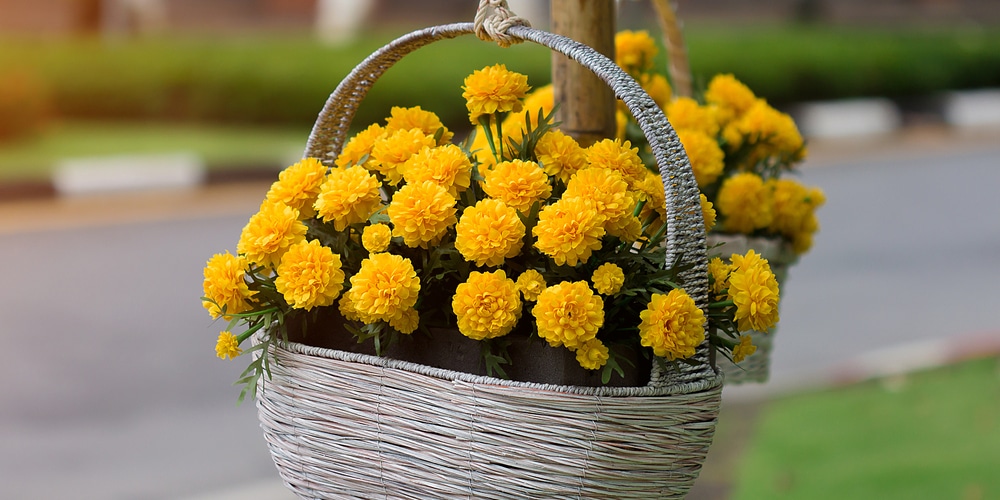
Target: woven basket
{"points": [[779, 254], [347, 425]]}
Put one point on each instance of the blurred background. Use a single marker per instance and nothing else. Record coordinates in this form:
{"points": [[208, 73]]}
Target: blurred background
{"points": [[136, 137]]}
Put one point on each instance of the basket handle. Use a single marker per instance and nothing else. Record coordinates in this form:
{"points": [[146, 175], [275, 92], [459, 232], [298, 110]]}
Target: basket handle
{"points": [[686, 226]]}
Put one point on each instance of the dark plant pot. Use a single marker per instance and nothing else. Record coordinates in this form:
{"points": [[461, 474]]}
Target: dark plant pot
{"points": [[532, 359]]}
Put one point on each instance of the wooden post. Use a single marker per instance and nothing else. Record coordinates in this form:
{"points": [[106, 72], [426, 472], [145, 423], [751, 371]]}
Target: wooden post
{"points": [[587, 104]]}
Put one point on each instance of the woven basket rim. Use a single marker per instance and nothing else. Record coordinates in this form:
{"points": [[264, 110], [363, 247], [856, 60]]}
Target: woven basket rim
{"points": [[700, 383]]}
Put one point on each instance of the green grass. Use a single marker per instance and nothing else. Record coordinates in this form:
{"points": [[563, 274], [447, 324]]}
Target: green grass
{"points": [[221, 147], [932, 435]]}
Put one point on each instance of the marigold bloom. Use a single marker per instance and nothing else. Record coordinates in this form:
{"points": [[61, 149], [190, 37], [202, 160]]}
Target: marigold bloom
{"points": [[347, 309], [608, 279], [489, 232], [494, 89], [269, 233], [592, 354], [360, 146], [754, 290], [672, 324], [309, 275], [421, 213], [568, 314], [349, 196], [228, 346], [651, 190], [620, 156], [376, 237], [635, 50], [732, 97], [744, 349], [686, 113], [391, 151], [771, 132], [707, 158], [794, 207], [569, 230], [426, 121], [541, 99], [517, 183], [406, 322], [560, 155], [487, 305], [384, 288], [707, 212], [447, 166], [605, 189], [744, 203], [225, 286], [530, 283], [627, 229], [298, 185], [718, 273]]}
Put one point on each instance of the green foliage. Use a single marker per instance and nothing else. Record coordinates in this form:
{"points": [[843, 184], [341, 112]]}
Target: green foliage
{"points": [[933, 434], [287, 80]]}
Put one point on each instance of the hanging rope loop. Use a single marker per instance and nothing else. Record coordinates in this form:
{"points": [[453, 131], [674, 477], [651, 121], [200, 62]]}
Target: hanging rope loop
{"points": [[493, 19]]}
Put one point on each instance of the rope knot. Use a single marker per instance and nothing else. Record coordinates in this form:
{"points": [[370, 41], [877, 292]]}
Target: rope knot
{"points": [[493, 19]]}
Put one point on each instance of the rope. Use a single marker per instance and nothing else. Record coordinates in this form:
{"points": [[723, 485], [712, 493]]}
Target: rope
{"points": [[493, 26]]}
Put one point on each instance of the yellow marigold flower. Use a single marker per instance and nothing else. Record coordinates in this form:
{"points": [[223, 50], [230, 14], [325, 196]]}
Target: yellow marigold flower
{"points": [[686, 113], [707, 158], [744, 349], [530, 283], [542, 98], [346, 308], [731, 96], [560, 155], [384, 288], [620, 156], [269, 233], [391, 152], [569, 230], [298, 185], [672, 325], [651, 190], [309, 275], [707, 212], [406, 118], [605, 189], [489, 232], [592, 355], [517, 183], [568, 314], [349, 196], [627, 229], [635, 50], [447, 166], [224, 285], [487, 305], [608, 279], [657, 87], [421, 213], [407, 322], [754, 290], [772, 132], [744, 203], [494, 89], [228, 346], [794, 207], [360, 146], [376, 237], [718, 273]]}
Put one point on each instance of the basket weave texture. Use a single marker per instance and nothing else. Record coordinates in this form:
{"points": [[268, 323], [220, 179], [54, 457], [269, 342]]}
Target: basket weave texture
{"points": [[347, 425], [779, 254]]}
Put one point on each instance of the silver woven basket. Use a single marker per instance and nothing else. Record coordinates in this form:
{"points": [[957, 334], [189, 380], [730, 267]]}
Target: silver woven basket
{"points": [[779, 254], [346, 425]]}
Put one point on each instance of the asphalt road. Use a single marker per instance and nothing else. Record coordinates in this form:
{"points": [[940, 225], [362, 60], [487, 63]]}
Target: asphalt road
{"points": [[112, 390]]}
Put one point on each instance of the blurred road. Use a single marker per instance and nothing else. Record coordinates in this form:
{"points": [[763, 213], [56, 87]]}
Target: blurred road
{"points": [[113, 390]]}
